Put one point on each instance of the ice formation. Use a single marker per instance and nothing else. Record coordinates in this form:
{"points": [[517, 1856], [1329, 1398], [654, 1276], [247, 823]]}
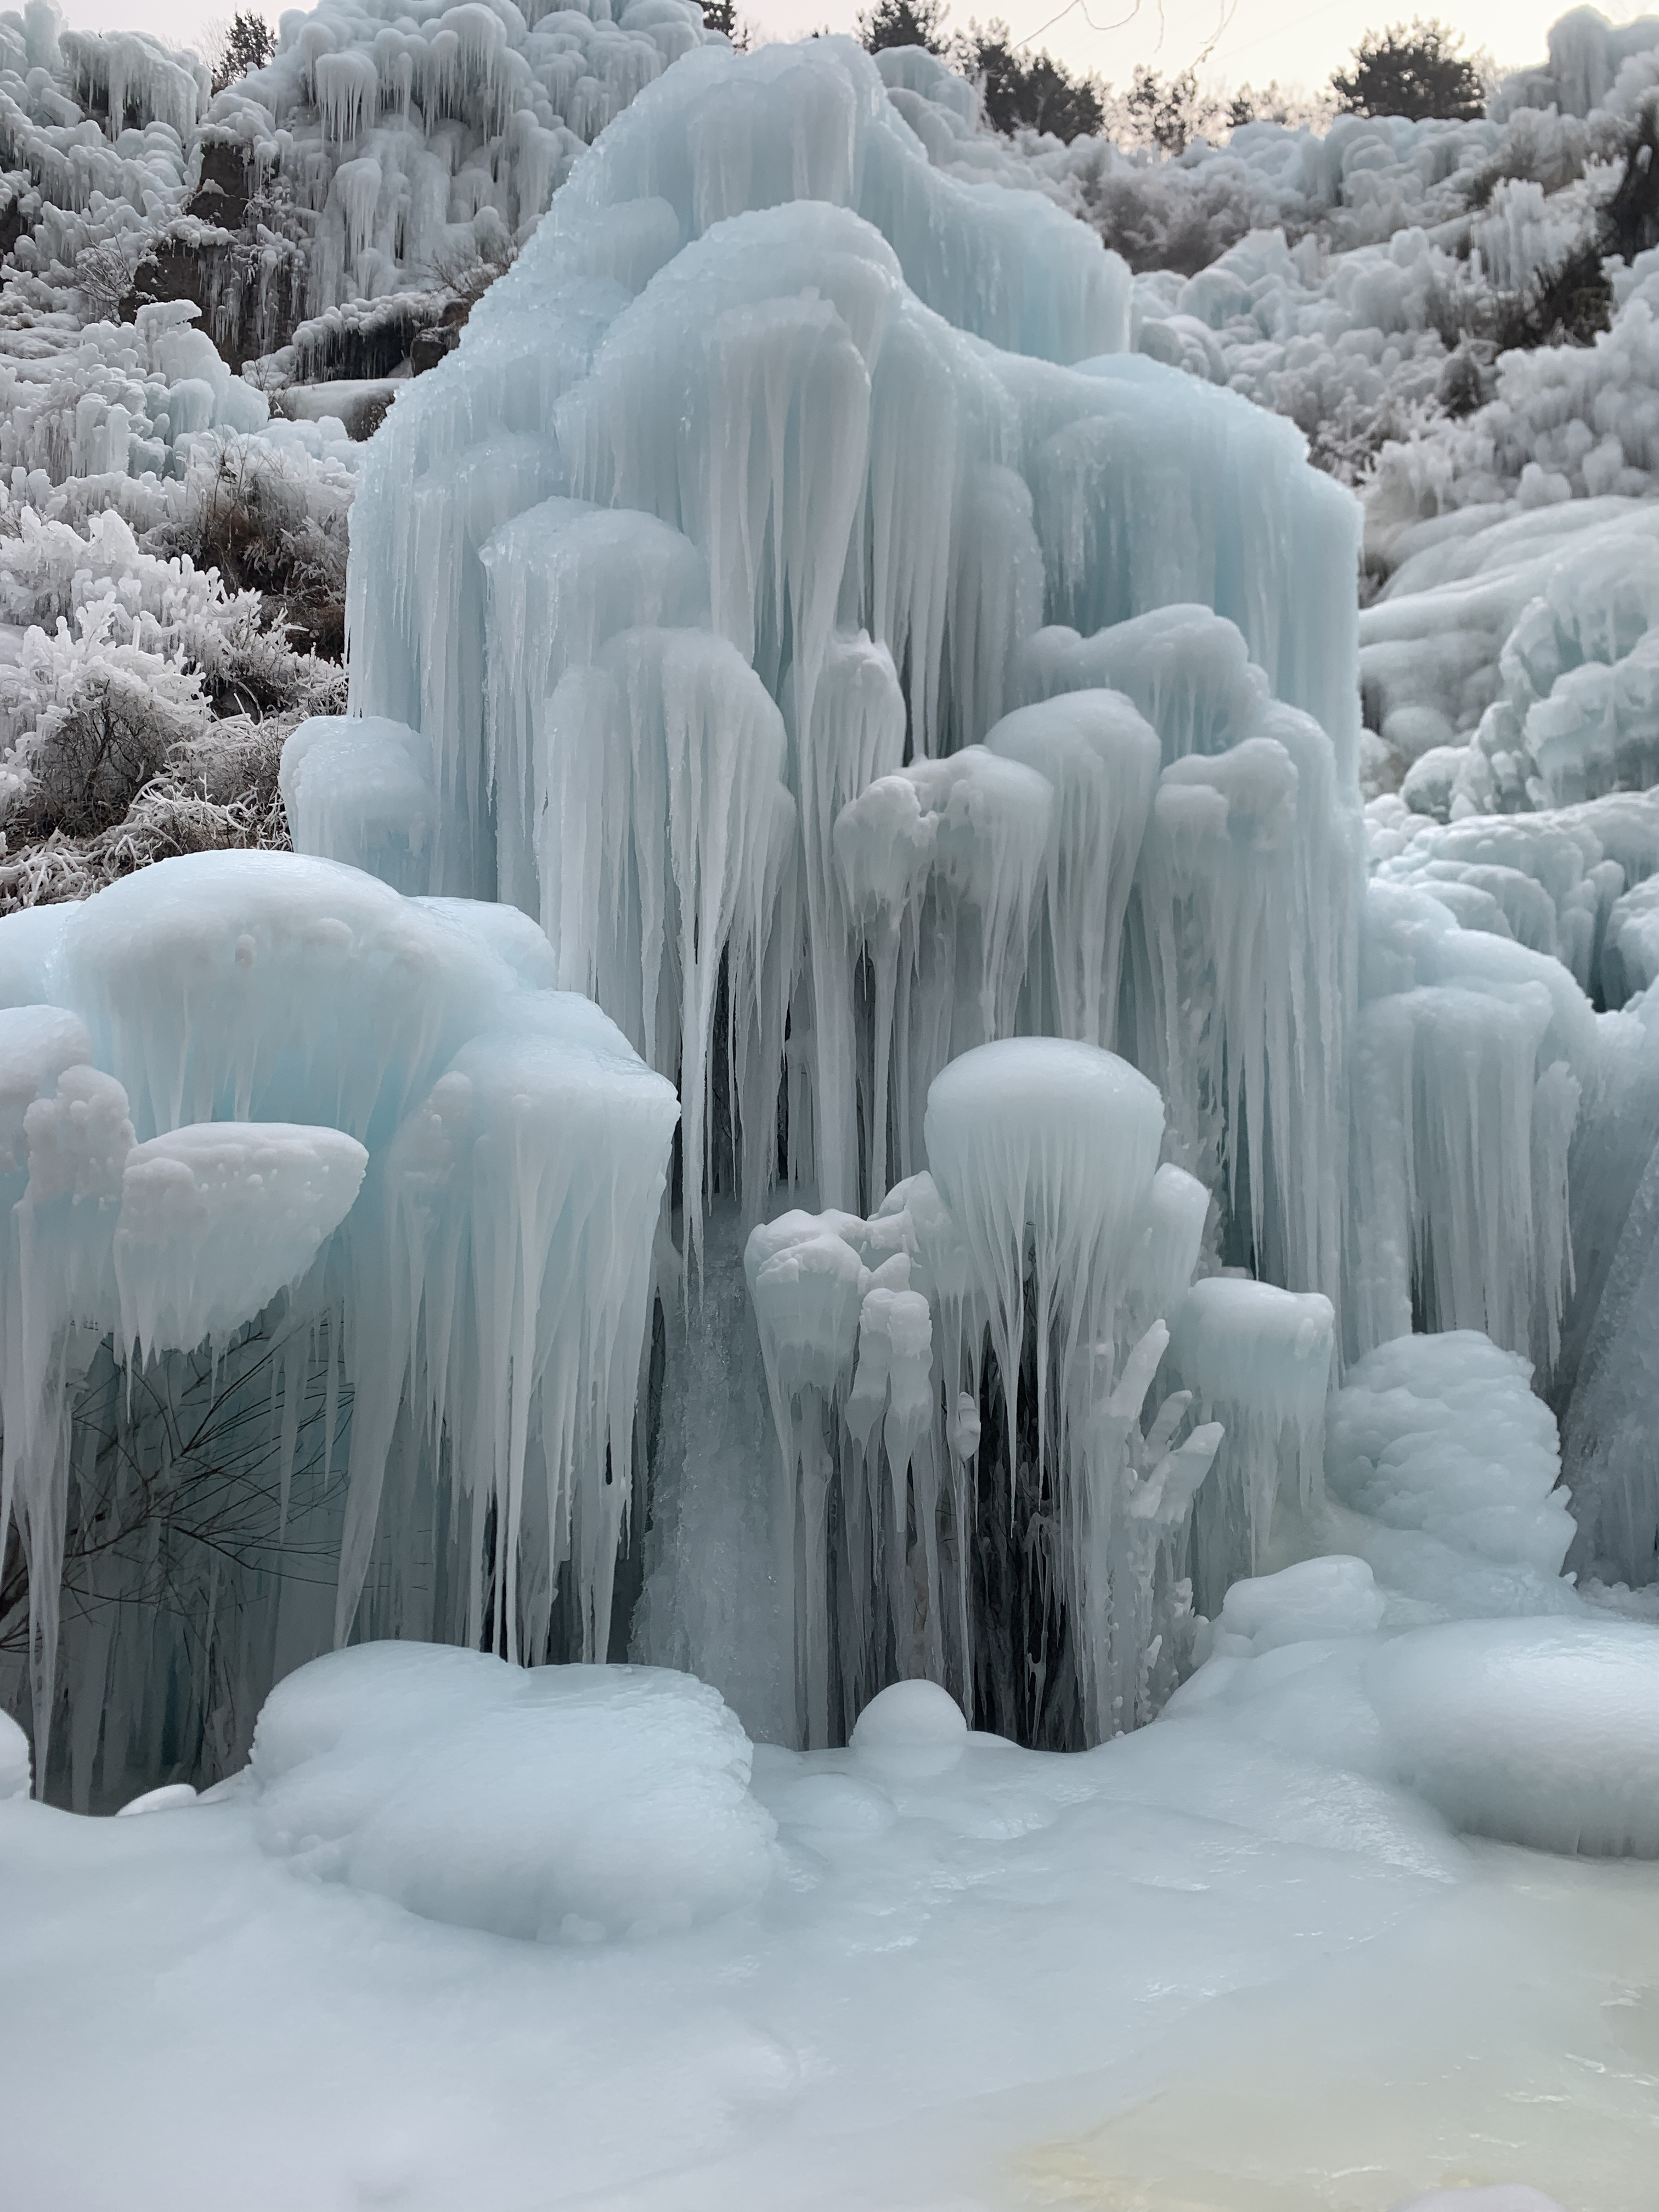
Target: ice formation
{"points": [[1438, 1442], [835, 678], [411, 136], [778, 744], [835, 696], [892, 1345], [302, 1172]]}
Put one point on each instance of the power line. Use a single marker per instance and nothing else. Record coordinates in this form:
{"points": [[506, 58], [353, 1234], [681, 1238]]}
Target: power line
{"points": [[1074, 7]]}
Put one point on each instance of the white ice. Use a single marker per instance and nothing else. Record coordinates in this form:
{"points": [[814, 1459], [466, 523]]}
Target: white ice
{"points": [[1207, 1964]]}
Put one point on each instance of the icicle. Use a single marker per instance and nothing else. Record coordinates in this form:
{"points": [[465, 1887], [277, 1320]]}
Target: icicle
{"points": [[941, 863], [666, 844], [1101, 760], [857, 735], [1260, 1359]]}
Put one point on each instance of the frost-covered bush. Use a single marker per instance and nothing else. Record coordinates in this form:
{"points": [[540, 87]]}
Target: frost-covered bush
{"points": [[103, 717], [215, 791], [126, 663], [272, 520]]}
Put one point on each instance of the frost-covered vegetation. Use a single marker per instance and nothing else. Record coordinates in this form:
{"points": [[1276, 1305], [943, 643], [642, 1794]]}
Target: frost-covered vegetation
{"points": [[213, 283]]}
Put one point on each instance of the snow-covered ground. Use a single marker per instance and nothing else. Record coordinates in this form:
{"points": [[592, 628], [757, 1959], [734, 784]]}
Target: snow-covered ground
{"points": [[1178, 1973], [1200, 1969]]}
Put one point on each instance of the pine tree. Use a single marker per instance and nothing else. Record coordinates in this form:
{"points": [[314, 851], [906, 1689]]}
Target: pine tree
{"points": [[1417, 73]]}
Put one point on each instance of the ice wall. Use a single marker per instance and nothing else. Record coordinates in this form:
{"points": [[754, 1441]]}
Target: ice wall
{"points": [[328, 1246], [804, 607], [746, 358]]}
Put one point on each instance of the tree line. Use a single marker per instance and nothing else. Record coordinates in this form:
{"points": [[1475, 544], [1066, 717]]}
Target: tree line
{"points": [[1417, 70]]}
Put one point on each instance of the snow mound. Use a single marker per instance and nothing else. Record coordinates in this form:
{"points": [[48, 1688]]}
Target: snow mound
{"points": [[911, 1728], [1543, 1733], [172, 1797], [557, 1804], [1333, 1596], [1540, 1730]]}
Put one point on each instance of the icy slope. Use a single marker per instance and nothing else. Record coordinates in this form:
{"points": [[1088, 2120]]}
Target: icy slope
{"points": [[406, 140]]}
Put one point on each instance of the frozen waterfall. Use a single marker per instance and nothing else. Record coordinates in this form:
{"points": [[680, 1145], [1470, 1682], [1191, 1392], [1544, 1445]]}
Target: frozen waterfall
{"points": [[870, 1101]]}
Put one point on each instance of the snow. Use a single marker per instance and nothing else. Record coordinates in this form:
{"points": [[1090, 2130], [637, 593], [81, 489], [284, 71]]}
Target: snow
{"points": [[559, 1804], [958, 1970], [1536, 1731], [1501, 2199]]}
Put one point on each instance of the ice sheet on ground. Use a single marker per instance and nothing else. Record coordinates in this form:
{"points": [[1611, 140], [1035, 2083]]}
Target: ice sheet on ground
{"points": [[957, 1986]]}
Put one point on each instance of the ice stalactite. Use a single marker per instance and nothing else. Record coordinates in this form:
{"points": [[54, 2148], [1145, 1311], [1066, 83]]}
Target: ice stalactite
{"points": [[454, 1252], [941, 863], [1101, 758], [1472, 1054], [957, 1383], [669, 840], [562, 579], [1241, 965], [1259, 1360], [1250, 935], [856, 737], [1607, 1389]]}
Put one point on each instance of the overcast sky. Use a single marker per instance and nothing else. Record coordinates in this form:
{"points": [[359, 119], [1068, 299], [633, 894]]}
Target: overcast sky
{"points": [[1249, 41]]}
